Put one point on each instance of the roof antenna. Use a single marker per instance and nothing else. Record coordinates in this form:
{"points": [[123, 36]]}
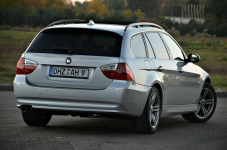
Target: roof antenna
{"points": [[91, 22]]}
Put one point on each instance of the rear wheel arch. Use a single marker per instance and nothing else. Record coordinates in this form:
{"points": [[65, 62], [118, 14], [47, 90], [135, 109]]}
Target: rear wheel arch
{"points": [[149, 120], [158, 86]]}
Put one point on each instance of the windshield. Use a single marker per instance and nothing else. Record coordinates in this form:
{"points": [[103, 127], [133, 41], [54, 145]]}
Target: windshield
{"points": [[78, 42]]}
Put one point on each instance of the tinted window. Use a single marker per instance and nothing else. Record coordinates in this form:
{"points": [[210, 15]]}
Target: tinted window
{"points": [[137, 46], [158, 45], [174, 48], [149, 48], [78, 41]]}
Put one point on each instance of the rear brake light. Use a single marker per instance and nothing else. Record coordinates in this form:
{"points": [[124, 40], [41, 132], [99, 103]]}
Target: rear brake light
{"points": [[25, 66], [120, 71]]}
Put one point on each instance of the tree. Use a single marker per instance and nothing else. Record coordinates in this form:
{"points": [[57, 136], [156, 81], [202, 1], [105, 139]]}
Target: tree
{"points": [[33, 4], [9, 3], [114, 16], [57, 4], [98, 8], [218, 8], [19, 15], [216, 19], [139, 14], [127, 14], [81, 7], [116, 5], [194, 2], [150, 7]]}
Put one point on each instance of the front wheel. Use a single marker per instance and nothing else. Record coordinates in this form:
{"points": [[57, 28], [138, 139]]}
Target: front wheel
{"points": [[149, 121], [206, 106]]}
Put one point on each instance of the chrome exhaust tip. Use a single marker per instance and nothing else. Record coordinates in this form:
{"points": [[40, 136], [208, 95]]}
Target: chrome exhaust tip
{"points": [[23, 108], [29, 109]]}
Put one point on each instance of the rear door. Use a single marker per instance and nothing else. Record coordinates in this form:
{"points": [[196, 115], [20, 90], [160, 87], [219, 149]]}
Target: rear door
{"points": [[189, 87], [71, 58], [165, 67], [140, 64]]}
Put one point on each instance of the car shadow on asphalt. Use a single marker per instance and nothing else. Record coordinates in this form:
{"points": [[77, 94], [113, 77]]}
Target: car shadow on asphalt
{"points": [[90, 126]]}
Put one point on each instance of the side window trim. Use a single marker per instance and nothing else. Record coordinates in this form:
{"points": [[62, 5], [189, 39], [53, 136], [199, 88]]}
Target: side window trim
{"points": [[143, 44], [145, 36], [185, 57], [131, 44], [166, 46]]}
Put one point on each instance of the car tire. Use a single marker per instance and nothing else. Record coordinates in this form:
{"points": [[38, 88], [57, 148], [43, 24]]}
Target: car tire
{"points": [[149, 121], [36, 119], [206, 106]]}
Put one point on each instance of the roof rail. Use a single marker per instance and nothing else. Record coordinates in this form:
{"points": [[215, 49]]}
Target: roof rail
{"points": [[129, 24], [143, 24], [113, 22], [66, 22], [85, 21]]}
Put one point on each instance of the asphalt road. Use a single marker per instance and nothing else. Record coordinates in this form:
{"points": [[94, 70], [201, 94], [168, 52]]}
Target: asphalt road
{"points": [[66, 132]]}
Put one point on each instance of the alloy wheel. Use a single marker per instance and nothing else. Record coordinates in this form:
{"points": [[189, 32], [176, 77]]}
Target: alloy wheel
{"points": [[154, 110], [205, 104]]}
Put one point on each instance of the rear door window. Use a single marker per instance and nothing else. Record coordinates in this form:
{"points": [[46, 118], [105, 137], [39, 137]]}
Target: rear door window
{"points": [[78, 42], [157, 45], [137, 46]]}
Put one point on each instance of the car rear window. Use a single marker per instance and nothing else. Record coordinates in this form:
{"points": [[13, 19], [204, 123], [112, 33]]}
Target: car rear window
{"points": [[78, 42]]}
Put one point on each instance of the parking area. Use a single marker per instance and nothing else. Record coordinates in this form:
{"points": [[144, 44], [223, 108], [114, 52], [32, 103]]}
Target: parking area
{"points": [[66, 132]]}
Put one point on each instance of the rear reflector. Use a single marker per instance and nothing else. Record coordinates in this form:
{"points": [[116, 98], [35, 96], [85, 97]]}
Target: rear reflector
{"points": [[120, 71], [25, 66]]}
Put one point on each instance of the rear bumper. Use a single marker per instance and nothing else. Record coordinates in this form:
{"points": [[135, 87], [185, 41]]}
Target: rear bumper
{"points": [[121, 97]]}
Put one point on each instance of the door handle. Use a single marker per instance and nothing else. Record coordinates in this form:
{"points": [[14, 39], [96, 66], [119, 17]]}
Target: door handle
{"points": [[160, 69], [148, 69]]}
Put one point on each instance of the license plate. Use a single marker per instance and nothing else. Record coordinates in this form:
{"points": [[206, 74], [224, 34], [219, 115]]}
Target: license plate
{"points": [[68, 72]]}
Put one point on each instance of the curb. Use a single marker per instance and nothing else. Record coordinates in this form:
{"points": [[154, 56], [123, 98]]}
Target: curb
{"points": [[221, 94], [10, 88]]}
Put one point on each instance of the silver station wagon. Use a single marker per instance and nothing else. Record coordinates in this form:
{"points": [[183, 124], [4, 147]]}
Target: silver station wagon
{"points": [[131, 70]]}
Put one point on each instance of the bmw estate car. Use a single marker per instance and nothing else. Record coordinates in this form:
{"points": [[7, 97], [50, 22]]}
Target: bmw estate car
{"points": [[131, 70]]}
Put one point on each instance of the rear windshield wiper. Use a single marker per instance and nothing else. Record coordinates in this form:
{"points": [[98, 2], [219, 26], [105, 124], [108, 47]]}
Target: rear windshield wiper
{"points": [[60, 49]]}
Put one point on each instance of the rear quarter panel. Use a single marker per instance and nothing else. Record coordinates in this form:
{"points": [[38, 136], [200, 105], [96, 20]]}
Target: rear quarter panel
{"points": [[137, 65]]}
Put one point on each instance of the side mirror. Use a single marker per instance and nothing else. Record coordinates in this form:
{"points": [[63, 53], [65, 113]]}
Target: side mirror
{"points": [[193, 58]]}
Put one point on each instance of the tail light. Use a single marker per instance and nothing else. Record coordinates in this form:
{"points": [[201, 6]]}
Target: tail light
{"points": [[25, 66], [120, 71]]}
